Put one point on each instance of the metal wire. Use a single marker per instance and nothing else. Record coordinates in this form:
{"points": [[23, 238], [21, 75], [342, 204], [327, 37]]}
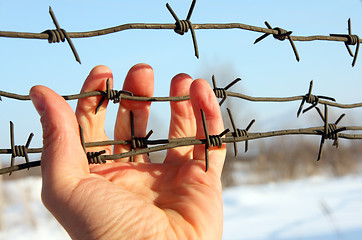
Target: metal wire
{"points": [[219, 92], [182, 26], [142, 145], [164, 144]]}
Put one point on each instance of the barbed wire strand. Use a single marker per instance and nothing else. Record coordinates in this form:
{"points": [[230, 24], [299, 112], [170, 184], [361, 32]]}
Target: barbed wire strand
{"points": [[219, 92], [140, 145], [182, 26], [164, 144]]}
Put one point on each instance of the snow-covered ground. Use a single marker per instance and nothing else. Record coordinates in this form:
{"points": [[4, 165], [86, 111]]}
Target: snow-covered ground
{"points": [[310, 209]]}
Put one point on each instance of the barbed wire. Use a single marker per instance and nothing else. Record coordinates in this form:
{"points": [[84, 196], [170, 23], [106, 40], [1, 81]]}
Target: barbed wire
{"points": [[140, 145], [182, 26], [117, 95], [145, 145]]}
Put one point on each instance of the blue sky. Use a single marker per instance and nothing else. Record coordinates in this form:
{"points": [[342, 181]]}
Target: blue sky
{"points": [[267, 68]]}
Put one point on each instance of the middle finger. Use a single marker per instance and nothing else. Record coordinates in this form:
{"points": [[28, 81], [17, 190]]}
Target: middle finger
{"points": [[139, 81]]}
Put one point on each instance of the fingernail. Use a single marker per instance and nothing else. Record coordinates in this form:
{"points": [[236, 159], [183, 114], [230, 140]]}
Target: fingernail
{"points": [[38, 102]]}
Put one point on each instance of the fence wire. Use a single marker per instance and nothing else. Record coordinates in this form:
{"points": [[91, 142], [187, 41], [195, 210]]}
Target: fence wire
{"points": [[183, 26], [144, 145], [141, 145]]}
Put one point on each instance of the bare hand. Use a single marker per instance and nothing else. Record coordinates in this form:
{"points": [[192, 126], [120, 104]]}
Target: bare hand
{"points": [[138, 200]]}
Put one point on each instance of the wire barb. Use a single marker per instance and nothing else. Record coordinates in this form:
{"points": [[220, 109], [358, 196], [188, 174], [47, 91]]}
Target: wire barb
{"points": [[331, 131], [311, 99], [138, 142], [111, 94], [92, 157], [222, 92], [96, 157], [182, 26], [60, 34], [18, 150], [239, 132], [351, 40], [281, 35], [211, 140]]}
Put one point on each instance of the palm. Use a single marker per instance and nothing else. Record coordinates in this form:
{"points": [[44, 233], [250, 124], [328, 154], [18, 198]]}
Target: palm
{"points": [[175, 200], [138, 200]]}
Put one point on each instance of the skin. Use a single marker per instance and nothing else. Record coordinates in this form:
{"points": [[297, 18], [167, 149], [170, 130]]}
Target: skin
{"points": [[139, 200]]}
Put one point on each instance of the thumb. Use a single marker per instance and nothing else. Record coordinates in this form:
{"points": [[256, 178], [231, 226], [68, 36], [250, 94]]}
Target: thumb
{"points": [[63, 160]]}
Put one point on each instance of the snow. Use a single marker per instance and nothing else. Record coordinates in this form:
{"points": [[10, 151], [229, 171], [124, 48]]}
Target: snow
{"points": [[23, 214], [314, 208], [309, 209]]}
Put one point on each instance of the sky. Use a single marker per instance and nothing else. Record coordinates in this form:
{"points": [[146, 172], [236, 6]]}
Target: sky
{"points": [[268, 68]]}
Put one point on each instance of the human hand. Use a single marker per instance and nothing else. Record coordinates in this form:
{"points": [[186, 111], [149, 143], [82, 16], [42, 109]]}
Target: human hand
{"points": [[140, 200]]}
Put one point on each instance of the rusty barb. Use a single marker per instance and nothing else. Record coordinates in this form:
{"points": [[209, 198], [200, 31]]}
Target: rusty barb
{"points": [[352, 40], [111, 94], [239, 132], [138, 142], [93, 157], [331, 131], [211, 140], [281, 35], [222, 92], [59, 34], [311, 99], [181, 27], [18, 150]]}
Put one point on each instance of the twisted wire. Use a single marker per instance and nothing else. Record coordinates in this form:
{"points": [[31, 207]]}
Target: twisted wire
{"points": [[139, 142], [55, 35], [19, 151], [111, 94], [241, 132], [114, 95], [332, 132], [215, 140], [352, 39], [182, 26], [282, 34], [220, 92], [312, 99], [95, 157], [60, 34]]}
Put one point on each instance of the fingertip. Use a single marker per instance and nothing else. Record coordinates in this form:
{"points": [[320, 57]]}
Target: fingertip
{"points": [[180, 85], [37, 98], [202, 97], [139, 66], [140, 80], [97, 77], [100, 69]]}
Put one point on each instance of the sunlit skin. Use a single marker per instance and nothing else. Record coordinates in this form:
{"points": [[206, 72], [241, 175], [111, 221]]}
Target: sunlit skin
{"points": [[141, 200]]}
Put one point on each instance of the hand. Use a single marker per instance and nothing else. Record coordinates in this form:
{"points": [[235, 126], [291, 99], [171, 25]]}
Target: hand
{"points": [[140, 200]]}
